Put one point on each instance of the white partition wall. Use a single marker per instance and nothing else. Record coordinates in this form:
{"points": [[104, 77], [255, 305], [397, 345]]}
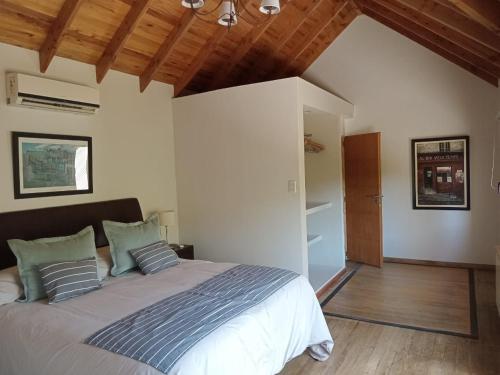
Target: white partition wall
{"points": [[236, 150], [240, 171]]}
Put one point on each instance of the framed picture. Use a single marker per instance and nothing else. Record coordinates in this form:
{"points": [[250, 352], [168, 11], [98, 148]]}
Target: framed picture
{"points": [[441, 179], [47, 165]]}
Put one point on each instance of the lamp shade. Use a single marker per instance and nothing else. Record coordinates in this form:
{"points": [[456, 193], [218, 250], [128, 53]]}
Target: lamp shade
{"points": [[196, 4], [167, 218], [227, 16], [270, 6]]}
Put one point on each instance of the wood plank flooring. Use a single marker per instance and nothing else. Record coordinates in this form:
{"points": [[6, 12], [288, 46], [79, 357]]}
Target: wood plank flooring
{"points": [[365, 348], [419, 296]]}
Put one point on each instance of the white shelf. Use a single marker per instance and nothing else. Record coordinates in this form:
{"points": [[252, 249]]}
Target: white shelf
{"points": [[313, 207], [313, 238]]}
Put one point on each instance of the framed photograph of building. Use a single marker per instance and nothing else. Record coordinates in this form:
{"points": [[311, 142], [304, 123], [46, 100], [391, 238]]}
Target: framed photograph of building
{"points": [[48, 164], [441, 173]]}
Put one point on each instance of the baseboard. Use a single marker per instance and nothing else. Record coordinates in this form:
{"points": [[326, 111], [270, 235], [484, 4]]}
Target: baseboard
{"points": [[488, 267], [335, 279]]}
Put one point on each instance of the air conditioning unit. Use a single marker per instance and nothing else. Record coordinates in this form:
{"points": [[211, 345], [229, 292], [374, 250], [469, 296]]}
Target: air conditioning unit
{"points": [[36, 92]]}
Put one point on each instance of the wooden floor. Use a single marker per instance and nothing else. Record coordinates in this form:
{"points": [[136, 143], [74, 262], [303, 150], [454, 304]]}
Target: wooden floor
{"points": [[409, 295], [365, 348]]}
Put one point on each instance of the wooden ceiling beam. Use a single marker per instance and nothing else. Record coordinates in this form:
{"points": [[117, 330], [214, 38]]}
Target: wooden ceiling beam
{"points": [[248, 42], [310, 37], [199, 61], [458, 60], [56, 33], [485, 12], [437, 28], [158, 14], [454, 20], [166, 48], [269, 62], [433, 32], [115, 46]]}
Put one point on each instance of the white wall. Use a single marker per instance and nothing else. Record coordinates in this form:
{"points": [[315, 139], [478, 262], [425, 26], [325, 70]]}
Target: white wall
{"points": [[236, 149], [405, 91], [132, 136]]}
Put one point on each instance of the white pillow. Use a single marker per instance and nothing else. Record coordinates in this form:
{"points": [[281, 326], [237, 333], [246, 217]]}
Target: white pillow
{"points": [[11, 287], [104, 262]]}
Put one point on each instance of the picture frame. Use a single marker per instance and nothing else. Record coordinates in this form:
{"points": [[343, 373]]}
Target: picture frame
{"points": [[47, 165], [441, 173]]}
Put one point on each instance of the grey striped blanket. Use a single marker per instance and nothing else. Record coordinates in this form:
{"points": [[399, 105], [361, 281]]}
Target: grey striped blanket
{"points": [[160, 334]]}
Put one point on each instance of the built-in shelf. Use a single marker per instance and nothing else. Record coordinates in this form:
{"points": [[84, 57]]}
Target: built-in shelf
{"points": [[313, 207], [313, 238]]}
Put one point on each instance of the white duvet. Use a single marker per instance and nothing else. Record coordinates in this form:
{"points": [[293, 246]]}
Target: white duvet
{"points": [[42, 339]]}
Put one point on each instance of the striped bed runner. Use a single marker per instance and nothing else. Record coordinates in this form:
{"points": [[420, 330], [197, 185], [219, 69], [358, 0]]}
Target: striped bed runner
{"points": [[160, 334]]}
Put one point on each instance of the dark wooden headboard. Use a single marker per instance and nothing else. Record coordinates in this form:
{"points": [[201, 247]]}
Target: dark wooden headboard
{"points": [[63, 221]]}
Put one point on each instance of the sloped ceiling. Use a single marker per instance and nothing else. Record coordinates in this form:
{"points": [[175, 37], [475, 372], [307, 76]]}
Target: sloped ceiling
{"points": [[160, 40]]}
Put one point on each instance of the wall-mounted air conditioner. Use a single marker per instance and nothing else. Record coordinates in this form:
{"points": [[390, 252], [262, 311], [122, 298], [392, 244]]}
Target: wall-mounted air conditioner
{"points": [[36, 92]]}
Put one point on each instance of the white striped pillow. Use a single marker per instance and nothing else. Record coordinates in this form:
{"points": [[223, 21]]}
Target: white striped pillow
{"points": [[155, 257], [65, 280]]}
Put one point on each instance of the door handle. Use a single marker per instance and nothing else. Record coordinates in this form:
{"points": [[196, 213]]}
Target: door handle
{"points": [[377, 198]]}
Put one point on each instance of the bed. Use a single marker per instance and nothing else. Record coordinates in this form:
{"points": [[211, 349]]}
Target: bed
{"points": [[38, 338]]}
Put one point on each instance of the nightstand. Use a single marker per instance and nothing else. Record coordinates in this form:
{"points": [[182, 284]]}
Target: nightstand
{"points": [[184, 252]]}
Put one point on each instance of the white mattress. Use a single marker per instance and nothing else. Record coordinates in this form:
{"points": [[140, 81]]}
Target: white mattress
{"points": [[43, 339]]}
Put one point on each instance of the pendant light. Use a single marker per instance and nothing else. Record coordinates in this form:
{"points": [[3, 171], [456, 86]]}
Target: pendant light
{"points": [[270, 6], [193, 4], [227, 15], [231, 10]]}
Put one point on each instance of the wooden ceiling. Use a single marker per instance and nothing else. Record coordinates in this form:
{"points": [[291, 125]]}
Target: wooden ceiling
{"points": [[160, 40], [466, 32]]}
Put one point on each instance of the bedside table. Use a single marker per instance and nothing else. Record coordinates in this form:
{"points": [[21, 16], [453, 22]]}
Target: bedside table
{"points": [[185, 252]]}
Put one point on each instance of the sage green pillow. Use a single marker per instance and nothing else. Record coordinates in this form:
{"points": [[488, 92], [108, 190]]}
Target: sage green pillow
{"points": [[123, 237], [30, 254]]}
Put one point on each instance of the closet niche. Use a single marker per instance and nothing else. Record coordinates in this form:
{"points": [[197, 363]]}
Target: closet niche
{"points": [[323, 187]]}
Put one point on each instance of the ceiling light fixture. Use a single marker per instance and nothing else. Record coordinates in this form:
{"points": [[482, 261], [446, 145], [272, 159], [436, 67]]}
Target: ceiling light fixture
{"points": [[193, 3], [231, 10], [227, 15]]}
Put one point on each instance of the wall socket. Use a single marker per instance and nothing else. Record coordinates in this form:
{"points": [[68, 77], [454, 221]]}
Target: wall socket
{"points": [[292, 186]]}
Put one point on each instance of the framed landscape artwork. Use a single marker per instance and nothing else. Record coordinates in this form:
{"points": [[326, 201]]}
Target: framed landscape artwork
{"points": [[441, 173], [47, 165]]}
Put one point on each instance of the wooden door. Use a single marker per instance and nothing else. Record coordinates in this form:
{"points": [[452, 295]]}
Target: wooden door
{"points": [[363, 198]]}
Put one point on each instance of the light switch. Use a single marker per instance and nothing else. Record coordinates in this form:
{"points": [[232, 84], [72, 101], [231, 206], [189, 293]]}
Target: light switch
{"points": [[292, 186]]}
